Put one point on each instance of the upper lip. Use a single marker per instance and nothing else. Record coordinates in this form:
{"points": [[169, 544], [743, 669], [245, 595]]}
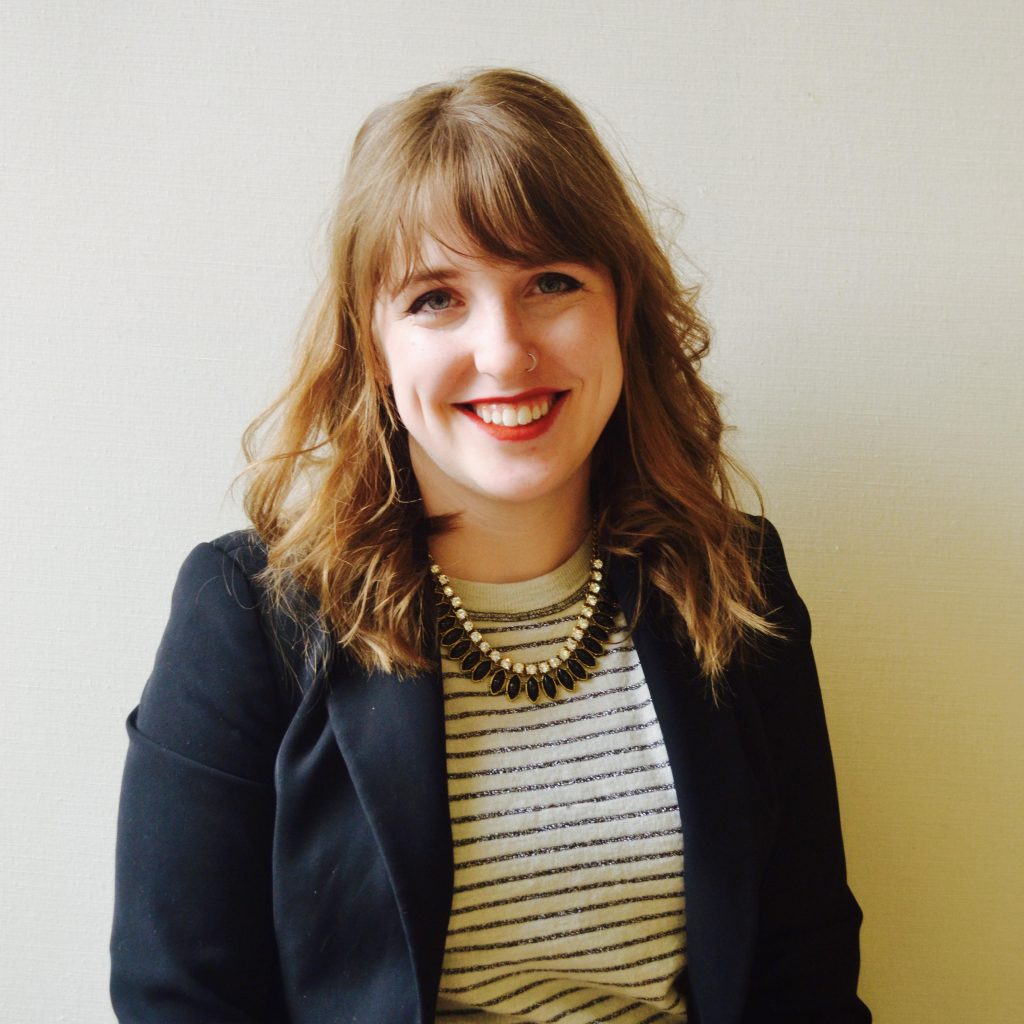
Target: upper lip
{"points": [[522, 396]]}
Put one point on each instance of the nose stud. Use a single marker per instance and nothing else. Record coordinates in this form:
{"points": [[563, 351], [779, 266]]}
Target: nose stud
{"points": [[533, 363]]}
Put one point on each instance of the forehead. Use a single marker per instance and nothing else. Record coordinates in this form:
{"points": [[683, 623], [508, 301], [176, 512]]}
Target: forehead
{"points": [[436, 253], [456, 249]]}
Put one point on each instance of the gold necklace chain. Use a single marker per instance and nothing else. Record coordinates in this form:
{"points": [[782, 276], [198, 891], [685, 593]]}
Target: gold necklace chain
{"points": [[462, 642]]}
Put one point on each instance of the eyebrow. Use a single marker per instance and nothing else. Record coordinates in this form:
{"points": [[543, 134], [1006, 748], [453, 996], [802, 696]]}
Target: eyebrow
{"points": [[442, 274], [428, 275]]}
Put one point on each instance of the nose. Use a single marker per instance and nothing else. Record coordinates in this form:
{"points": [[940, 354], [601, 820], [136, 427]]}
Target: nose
{"points": [[503, 346]]}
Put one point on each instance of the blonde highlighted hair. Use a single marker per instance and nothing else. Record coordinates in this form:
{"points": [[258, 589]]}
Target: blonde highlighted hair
{"points": [[509, 162]]}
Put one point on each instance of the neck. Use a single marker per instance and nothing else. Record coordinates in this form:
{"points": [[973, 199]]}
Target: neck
{"points": [[495, 545]]}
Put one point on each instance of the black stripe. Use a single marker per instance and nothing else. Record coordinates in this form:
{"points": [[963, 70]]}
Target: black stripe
{"points": [[563, 869], [590, 971], [537, 808], [533, 787], [557, 826], [569, 912], [532, 940], [553, 997], [572, 954], [555, 723], [537, 613], [620, 1012], [590, 886], [546, 744], [521, 990], [545, 851], [647, 981], [595, 755], [668, 1009], [581, 1007]]}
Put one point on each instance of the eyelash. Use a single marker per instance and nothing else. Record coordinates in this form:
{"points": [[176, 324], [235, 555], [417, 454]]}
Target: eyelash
{"points": [[570, 282], [420, 303], [567, 281]]}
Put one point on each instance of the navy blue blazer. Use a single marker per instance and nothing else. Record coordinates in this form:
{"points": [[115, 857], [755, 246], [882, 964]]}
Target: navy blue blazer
{"points": [[284, 849]]}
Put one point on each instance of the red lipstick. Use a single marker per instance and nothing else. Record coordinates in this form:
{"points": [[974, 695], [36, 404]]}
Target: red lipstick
{"points": [[522, 396], [526, 432]]}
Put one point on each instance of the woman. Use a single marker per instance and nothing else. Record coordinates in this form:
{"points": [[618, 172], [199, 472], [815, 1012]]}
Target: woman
{"points": [[502, 711]]}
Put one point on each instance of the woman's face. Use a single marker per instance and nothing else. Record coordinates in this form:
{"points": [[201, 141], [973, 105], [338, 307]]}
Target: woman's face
{"points": [[504, 376]]}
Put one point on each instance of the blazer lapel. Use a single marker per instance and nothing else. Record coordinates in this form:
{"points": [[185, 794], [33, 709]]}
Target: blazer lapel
{"points": [[391, 735], [716, 795]]}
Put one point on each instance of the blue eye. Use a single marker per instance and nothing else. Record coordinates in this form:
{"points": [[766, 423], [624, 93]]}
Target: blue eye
{"points": [[554, 284], [432, 302]]}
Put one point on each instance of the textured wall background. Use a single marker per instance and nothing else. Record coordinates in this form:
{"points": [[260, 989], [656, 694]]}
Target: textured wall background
{"points": [[850, 175]]}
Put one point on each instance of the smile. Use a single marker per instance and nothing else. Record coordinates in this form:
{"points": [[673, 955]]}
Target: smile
{"points": [[509, 414], [520, 418]]}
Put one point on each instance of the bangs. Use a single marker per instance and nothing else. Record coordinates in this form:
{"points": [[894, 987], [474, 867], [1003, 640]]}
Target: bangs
{"points": [[466, 189]]}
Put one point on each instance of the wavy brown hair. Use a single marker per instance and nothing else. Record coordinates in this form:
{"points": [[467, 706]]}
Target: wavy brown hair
{"points": [[508, 161]]}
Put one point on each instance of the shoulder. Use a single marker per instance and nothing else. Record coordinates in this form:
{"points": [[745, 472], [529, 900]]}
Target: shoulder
{"points": [[783, 604], [242, 549], [245, 546], [216, 693], [231, 563], [779, 670], [217, 598]]}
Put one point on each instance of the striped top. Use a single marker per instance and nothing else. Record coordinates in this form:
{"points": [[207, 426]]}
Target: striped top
{"points": [[568, 897]]}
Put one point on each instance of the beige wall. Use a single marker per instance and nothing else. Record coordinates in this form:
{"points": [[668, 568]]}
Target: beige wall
{"points": [[850, 175]]}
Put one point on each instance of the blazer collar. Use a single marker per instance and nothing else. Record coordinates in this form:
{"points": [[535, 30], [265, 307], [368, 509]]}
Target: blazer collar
{"points": [[716, 797]]}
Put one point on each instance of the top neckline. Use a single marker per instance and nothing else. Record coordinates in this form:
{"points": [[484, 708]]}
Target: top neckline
{"points": [[554, 587]]}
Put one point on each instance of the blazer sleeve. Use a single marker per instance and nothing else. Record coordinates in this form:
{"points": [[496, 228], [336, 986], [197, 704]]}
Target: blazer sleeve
{"points": [[193, 936], [807, 949]]}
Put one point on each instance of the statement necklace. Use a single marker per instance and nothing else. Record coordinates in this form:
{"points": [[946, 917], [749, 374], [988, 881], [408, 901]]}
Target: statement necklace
{"points": [[463, 643]]}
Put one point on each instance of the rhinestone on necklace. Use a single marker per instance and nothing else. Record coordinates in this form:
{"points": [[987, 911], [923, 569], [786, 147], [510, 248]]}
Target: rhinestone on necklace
{"points": [[463, 643]]}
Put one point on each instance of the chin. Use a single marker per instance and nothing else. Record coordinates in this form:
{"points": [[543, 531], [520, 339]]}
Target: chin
{"points": [[524, 490]]}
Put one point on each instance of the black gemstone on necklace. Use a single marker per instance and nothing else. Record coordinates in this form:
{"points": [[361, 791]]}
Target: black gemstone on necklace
{"points": [[585, 657], [451, 636], [498, 681], [565, 678], [457, 650], [514, 686], [576, 668], [549, 685], [599, 633], [447, 622], [532, 689], [603, 619], [593, 645], [470, 660], [480, 672]]}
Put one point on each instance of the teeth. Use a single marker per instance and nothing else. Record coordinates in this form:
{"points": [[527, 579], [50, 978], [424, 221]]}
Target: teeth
{"points": [[513, 415]]}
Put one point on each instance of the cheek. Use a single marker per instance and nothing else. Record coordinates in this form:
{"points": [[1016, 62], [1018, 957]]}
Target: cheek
{"points": [[418, 383], [404, 391], [383, 345], [612, 383], [607, 357], [620, 368], [394, 352]]}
